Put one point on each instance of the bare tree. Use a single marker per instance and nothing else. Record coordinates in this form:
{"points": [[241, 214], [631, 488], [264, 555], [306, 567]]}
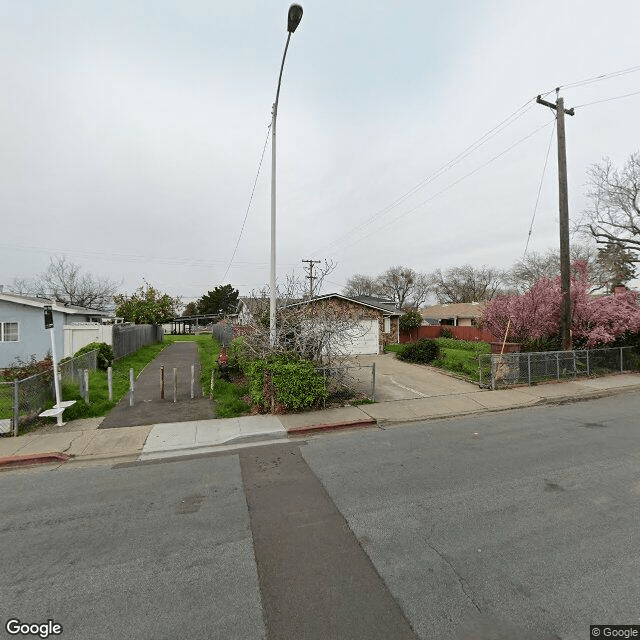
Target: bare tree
{"points": [[421, 290], [467, 284], [65, 282], [397, 283], [614, 214], [321, 331], [607, 266], [361, 285]]}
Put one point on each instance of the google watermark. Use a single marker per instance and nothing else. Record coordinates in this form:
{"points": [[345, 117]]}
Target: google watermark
{"points": [[614, 631], [15, 627]]}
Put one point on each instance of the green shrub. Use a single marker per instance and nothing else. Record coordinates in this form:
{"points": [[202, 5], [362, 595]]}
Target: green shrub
{"points": [[238, 354], [286, 381], [423, 351], [105, 354], [447, 333], [410, 320]]}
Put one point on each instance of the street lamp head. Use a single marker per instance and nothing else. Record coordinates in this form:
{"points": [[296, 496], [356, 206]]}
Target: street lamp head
{"points": [[295, 15]]}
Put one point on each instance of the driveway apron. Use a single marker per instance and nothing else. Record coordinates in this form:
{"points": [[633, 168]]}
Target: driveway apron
{"points": [[398, 380]]}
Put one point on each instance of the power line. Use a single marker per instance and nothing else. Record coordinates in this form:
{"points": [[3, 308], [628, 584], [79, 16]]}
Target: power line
{"points": [[626, 95], [450, 186], [592, 79], [518, 113], [544, 170], [253, 190]]}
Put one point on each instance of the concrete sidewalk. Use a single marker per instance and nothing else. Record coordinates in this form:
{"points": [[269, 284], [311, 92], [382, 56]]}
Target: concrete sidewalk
{"points": [[169, 439]]}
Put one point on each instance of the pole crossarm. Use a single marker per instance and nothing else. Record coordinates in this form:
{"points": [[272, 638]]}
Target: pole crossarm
{"points": [[551, 105]]}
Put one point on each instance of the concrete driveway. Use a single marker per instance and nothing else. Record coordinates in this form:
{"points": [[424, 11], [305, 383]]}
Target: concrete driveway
{"points": [[398, 380]]}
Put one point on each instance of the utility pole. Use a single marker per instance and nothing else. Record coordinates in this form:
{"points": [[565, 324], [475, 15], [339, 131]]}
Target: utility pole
{"points": [[310, 276], [565, 266]]}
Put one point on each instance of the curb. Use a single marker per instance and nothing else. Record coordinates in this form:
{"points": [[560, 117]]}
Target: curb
{"points": [[34, 458], [331, 426]]}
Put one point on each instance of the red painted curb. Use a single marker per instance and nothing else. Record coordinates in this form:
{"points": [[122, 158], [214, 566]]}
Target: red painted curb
{"points": [[34, 458], [334, 425]]}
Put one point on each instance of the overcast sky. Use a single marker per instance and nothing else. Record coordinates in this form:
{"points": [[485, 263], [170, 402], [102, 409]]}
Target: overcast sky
{"points": [[132, 133]]}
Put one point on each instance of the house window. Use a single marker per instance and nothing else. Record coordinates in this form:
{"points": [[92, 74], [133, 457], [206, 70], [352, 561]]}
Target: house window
{"points": [[9, 332], [387, 325]]}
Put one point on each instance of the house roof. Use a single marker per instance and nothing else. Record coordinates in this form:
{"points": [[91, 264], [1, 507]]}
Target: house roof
{"points": [[33, 301], [386, 306], [458, 310]]}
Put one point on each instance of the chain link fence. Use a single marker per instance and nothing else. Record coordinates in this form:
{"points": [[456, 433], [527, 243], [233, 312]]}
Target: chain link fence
{"points": [[21, 401], [347, 382], [511, 369]]}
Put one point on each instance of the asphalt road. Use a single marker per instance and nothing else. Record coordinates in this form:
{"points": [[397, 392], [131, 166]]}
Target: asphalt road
{"points": [[521, 524]]}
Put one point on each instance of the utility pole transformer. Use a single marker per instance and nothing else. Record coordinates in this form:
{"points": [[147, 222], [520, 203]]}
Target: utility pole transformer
{"points": [[565, 265], [310, 276]]}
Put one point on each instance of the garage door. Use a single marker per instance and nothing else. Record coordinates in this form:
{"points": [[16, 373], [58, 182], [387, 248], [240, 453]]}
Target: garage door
{"points": [[363, 338]]}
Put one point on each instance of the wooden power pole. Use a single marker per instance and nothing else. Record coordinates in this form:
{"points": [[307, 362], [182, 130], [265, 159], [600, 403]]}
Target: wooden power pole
{"points": [[565, 264], [310, 276]]}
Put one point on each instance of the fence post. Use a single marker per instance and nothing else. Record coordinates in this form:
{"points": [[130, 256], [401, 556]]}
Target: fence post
{"points": [[529, 367], [131, 388], [558, 366], [86, 386], [588, 363], [621, 362], [373, 382], [193, 375], [175, 384], [16, 406], [161, 382], [110, 383]]}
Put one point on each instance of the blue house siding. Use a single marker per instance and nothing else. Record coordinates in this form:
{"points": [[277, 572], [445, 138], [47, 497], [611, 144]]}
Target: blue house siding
{"points": [[33, 338]]}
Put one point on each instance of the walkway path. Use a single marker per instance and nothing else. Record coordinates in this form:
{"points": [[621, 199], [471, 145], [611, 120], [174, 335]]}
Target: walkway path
{"points": [[149, 408]]}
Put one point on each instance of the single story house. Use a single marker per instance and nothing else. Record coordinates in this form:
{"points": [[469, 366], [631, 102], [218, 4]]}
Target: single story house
{"points": [[22, 330], [463, 314], [374, 322]]}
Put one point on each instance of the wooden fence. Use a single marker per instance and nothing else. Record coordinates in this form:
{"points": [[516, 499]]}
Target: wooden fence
{"points": [[461, 333]]}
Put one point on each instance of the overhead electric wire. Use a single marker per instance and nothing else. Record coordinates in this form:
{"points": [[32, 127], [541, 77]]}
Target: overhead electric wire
{"points": [[253, 190], [592, 79], [518, 113], [588, 104], [544, 170], [450, 186]]}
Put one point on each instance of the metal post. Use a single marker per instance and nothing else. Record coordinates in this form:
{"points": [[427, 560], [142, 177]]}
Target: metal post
{"points": [[16, 406], [558, 366], [373, 382], [56, 381], [162, 382], [175, 384], [621, 361], [529, 366], [193, 376], [588, 373], [86, 385], [132, 390], [110, 383]]}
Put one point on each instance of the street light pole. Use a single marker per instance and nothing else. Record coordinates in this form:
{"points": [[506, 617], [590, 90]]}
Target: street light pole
{"points": [[293, 20]]}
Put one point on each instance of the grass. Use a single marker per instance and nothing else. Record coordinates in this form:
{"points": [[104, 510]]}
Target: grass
{"points": [[226, 395], [456, 356]]}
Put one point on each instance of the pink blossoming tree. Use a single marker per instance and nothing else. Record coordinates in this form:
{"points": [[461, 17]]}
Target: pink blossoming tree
{"points": [[536, 313]]}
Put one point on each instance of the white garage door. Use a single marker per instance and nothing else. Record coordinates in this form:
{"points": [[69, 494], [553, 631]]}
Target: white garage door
{"points": [[363, 339]]}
